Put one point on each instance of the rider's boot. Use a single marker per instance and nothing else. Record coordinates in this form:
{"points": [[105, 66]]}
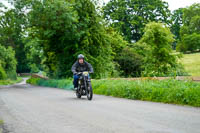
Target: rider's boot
{"points": [[75, 88]]}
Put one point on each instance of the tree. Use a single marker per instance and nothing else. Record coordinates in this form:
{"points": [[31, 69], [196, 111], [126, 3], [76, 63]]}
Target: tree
{"points": [[3, 74], [66, 29], [159, 60], [189, 43], [34, 54], [129, 17], [12, 24], [190, 31], [130, 62], [8, 62], [177, 22]]}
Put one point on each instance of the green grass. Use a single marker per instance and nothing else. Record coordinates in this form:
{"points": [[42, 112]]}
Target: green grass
{"points": [[1, 122], [9, 82], [166, 91], [63, 84], [191, 63]]}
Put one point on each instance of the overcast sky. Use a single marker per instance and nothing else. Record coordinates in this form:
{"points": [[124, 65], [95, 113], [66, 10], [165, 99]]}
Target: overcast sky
{"points": [[173, 4], [4, 2]]}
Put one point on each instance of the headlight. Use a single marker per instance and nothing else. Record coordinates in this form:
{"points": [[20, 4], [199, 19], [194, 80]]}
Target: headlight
{"points": [[85, 73]]}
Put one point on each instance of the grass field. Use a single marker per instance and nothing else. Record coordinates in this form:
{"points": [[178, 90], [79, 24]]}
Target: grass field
{"points": [[9, 82], [191, 63]]}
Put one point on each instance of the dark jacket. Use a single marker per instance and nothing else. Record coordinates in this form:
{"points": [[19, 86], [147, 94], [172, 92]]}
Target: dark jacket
{"points": [[77, 67]]}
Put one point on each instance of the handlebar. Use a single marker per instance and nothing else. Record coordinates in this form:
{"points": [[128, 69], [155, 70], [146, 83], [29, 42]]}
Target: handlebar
{"points": [[79, 73]]}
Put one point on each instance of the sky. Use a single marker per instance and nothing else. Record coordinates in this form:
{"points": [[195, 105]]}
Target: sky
{"points": [[5, 2], [173, 4]]}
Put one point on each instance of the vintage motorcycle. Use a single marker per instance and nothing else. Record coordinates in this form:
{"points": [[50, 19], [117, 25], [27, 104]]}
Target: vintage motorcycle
{"points": [[84, 86]]}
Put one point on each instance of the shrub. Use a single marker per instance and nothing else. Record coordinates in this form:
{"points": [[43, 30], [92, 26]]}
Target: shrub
{"points": [[2, 74], [8, 62], [189, 43], [33, 81], [130, 62], [190, 30], [10, 82], [63, 84], [167, 91], [159, 60]]}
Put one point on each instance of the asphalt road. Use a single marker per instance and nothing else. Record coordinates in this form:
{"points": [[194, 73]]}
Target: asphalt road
{"points": [[30, 109]]}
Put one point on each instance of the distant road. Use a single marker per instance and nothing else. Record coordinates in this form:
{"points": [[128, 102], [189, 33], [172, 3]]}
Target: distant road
{"points": [[30, 109]]}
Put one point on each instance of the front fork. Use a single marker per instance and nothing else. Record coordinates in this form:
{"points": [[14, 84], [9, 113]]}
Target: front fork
{"points": [[86, 85]]}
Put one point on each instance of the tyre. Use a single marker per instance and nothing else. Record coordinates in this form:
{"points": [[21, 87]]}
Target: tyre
{"points": [[89, 92], [78, 95]]}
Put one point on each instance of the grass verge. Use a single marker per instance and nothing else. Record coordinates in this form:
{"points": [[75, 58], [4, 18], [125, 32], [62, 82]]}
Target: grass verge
{"points": [[63, 84], [9, 82], [166, 91], [1, 122], [1, 126], [191, 63]]}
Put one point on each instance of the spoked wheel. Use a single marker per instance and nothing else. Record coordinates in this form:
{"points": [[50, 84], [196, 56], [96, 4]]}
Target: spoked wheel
{"points": [[78, 94], [89, 92]]}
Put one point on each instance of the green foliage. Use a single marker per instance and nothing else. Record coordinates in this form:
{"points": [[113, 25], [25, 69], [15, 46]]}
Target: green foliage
{"points": [[33, 81], [1, 122], [159, 60], [167, 91], [130, 62], [8, 61], [116, 40], [63, 84], [190, 31], [130, 17], [10, 82], [66, 29], [177, 22], [2, 73], [34, 54], [12, 23], [189, 43]]}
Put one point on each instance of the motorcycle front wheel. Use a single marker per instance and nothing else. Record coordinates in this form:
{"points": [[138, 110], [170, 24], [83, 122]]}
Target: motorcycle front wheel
{"points": [[89, 92], [78, 94]]}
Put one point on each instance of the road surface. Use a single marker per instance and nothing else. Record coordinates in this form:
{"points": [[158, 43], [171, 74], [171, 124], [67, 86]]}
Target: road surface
{"points": [[30, 109]]}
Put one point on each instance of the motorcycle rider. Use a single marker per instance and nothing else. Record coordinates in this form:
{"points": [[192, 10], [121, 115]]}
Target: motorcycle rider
{"points": [[80, 66]]}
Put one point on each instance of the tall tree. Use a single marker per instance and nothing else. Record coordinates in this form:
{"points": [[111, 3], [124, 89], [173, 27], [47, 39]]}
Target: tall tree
{"points": [[12, 23], [8, 62], [67, 28], [158, 60], [177, 22], [129, 17], [190, 31]]}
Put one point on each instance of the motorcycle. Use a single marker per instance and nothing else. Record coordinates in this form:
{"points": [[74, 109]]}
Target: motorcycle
{"points": [[84, 86]]}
